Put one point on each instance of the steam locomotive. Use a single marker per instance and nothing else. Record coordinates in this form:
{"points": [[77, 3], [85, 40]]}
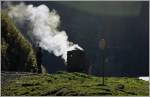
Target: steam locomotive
{"points": [[78, 62]]}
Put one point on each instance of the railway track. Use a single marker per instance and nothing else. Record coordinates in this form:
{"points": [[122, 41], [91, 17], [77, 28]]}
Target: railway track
{"points": [[7, 76]]}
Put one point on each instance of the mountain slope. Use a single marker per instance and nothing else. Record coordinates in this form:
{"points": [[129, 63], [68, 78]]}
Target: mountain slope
{"points": [[63, 83]]}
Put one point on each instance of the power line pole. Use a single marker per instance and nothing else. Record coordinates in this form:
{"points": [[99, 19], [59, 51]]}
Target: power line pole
{"points": [[102, 45]]}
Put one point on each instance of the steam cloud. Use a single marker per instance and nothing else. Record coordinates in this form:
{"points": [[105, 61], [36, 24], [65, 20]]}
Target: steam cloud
{"points": [[44, 28]]}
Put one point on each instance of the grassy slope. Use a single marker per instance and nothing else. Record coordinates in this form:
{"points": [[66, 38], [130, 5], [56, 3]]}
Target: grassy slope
{"points": [[64, 83]]}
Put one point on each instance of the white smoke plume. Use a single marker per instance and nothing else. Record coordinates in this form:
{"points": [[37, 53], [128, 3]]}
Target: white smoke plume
{"points": [[44, 24]]}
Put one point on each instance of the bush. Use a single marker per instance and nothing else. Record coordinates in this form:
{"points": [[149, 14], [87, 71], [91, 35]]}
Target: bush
{"points": [[17, 52]]}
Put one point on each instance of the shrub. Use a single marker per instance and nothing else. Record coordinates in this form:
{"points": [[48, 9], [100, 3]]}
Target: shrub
{"points": [[17, 52]]}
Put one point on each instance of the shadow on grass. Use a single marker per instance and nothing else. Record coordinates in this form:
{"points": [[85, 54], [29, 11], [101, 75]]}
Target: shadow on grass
{"points": [[131, 93]]}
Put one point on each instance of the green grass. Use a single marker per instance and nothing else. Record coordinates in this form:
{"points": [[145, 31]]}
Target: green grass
{"points": [[63, 83]]}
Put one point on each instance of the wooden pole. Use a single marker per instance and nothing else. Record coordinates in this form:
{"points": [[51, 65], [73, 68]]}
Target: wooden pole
{"points": [[102, 47], [103, 67]]}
